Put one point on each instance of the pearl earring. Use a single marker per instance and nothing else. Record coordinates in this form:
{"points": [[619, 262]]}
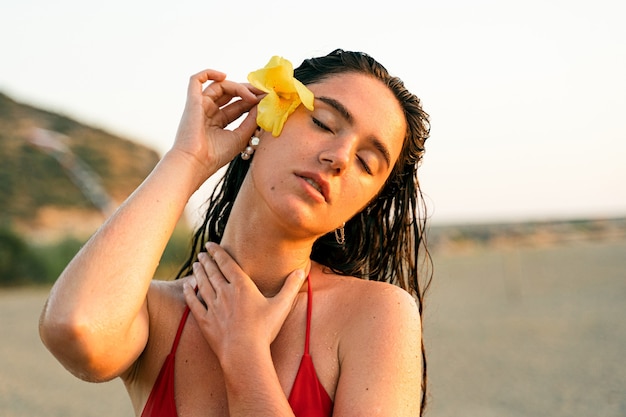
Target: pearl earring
{"points": [[247, 153]]}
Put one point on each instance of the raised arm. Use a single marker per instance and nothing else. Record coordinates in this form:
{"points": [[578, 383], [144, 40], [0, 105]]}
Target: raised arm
{"points": [[96, 320]]}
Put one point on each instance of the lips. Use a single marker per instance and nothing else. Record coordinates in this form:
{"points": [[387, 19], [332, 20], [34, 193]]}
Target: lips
{"points": [[314, 184], [317, 182]]}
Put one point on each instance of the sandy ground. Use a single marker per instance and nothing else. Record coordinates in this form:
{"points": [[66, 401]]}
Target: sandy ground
{"points": [[529, 332], [512, 332]]}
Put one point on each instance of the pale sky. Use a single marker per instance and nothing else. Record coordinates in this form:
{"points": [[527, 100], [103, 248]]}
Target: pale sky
{"points": [[527, 98]]}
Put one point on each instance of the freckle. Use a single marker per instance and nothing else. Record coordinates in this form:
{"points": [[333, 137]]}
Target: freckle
{"points": [[273, 188]]}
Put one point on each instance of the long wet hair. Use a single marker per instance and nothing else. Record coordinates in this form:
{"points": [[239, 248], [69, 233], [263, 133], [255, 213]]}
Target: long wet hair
{"points": [[386, 241]]}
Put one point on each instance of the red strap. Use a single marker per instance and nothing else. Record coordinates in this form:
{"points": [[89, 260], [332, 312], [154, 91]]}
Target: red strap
{"points": [[309, 308], [179, 332]]}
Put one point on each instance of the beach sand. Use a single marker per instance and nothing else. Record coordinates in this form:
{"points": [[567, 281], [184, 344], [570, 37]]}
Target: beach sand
{"points": [[529, 332], [32, 382], [509, 332]]}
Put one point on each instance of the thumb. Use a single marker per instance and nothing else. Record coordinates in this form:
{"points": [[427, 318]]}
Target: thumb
{"points": [[249, 124], [290, 288]]}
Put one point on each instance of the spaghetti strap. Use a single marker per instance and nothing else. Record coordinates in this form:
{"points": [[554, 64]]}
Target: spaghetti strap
{"points": [[308, 397], [179, 332], [162, 401], [309, 308]]}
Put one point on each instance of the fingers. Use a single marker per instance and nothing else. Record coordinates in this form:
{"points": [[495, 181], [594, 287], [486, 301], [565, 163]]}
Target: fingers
{"points": [[234, 110], [224, 91], [231, 269], [192, 299], [203, 284], [221, 92], [210, 284], [211, 281], [196, 81], [223, 107], [247, 127], [291, 287], [225, 263]]}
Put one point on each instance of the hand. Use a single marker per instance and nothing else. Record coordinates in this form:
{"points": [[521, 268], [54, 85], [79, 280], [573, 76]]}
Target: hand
{"points": [[201, 132], [233, 313]]}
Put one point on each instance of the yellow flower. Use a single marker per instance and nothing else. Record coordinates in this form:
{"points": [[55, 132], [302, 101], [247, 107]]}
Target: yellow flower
{"points": [[284, 94]]}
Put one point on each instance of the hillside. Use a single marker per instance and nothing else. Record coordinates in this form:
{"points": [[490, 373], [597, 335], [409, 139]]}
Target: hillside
{"points": [[59, 176]]}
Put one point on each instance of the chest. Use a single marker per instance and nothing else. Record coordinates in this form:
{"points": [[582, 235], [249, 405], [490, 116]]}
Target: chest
{"points": [[199, 385]]}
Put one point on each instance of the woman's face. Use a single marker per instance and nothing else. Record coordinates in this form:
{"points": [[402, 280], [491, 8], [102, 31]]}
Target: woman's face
{"points": [[328, 163]]}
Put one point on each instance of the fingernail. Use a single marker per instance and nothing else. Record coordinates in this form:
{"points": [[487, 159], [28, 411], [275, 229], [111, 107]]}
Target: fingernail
{"points": [[210, 247]]}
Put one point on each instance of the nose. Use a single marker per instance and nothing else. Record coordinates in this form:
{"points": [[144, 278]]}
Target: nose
{"points": [[338, 154]]}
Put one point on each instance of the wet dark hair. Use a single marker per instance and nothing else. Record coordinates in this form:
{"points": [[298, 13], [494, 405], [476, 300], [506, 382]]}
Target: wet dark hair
{"points": [[386, 241]]}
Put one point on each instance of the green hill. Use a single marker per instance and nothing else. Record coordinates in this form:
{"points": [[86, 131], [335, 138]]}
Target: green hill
{"points": [[59, 180], [63, 186]]}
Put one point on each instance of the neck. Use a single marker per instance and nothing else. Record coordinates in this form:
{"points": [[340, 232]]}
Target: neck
{"points": [[263, 244], [264, 258], [262, 249]]}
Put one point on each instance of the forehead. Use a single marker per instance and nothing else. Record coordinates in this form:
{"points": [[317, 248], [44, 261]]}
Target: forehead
{"points": [[373, 106]]}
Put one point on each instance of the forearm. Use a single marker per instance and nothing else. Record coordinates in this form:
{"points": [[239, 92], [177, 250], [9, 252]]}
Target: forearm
{"points": [[99, 295], [252, 385]]}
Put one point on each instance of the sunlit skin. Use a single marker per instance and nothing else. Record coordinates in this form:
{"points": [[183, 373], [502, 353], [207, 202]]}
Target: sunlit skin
{"points": [[241, 347], [335, 150]]}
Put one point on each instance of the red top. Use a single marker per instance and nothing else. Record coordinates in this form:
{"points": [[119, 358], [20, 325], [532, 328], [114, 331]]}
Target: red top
{"points": [[308, 397]]}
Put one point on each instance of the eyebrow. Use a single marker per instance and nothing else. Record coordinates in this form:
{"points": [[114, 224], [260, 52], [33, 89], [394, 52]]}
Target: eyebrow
{"points": [[343, 112], [341, 109]]}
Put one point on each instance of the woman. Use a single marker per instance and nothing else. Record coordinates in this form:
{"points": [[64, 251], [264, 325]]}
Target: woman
{"points": [[268, 317]]}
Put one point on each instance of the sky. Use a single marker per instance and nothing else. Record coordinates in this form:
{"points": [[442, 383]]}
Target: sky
{"points": [[527, 99]]}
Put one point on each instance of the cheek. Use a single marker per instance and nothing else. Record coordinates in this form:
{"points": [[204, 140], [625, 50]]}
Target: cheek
{"points": [[263, 169], [358, 193]]}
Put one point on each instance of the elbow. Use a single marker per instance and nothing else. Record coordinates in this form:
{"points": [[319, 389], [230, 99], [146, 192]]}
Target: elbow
{"points": [[76, 346]]}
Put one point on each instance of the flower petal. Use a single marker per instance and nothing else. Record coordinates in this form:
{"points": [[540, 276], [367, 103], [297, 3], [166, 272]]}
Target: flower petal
{"points": [[284, 94], [306, 95]]}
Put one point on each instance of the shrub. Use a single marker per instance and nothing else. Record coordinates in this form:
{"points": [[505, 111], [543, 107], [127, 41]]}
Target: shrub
{"points": [[22, 263], [19, 264]]}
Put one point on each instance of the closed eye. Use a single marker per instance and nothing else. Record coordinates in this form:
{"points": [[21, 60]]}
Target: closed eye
{"points": [[321, 125], [366, 167]]}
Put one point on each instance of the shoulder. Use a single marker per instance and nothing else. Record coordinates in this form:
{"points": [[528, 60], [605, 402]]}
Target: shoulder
{"points": [[165, 306], [371, 298], [382, 296], [378, 347], [363, 307], [165, 294], [385, 307]]}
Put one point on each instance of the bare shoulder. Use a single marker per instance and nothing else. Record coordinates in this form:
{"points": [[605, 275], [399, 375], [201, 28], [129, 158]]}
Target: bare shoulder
{"points": [[370, 300], [165, 306], [165, 292], [358, 310], [378, 347]]}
